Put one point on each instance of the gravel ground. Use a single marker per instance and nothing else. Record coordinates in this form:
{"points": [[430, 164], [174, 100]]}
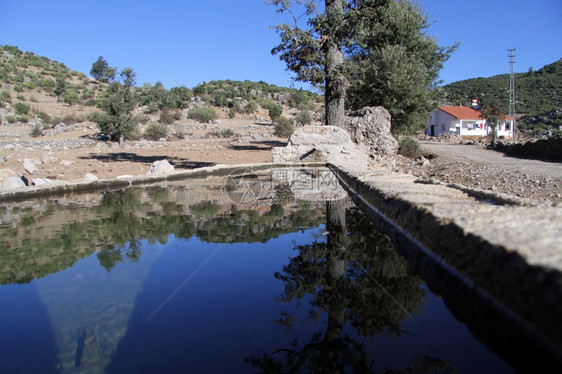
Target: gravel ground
{"points": [[477, 167]]}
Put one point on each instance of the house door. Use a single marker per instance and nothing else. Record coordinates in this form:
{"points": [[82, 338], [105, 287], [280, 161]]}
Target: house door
{"points": [[432, 130]]}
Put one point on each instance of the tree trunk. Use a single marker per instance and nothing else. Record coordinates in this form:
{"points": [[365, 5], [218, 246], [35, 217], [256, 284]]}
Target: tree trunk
{"points": [[121, 140], [336, 264], [336, 83]]}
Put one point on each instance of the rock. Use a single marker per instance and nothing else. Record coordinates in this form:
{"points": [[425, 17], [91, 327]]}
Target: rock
{"points": [[40, 181], [90, 177], [126, 176], [161, 167], [30, 166], [10, 179], [321, 144], [370, 128]]}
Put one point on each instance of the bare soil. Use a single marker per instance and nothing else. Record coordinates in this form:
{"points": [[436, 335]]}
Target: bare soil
{"points": [[196, 145], [251, 143]]}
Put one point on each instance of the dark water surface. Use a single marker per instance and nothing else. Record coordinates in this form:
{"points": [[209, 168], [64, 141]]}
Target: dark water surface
{"points": [[188, 278]]}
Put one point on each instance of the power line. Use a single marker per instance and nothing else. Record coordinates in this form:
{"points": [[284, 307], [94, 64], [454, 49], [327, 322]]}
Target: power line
{"points": [[511, 89]]}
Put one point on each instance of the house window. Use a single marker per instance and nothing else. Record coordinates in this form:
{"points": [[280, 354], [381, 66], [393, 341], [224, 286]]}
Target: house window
{"points": [[443, 127]]}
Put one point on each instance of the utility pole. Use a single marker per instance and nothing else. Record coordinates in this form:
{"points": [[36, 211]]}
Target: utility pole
{"points": [[511, 90]]}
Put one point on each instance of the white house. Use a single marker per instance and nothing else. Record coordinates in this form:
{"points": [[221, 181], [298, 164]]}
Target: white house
{"points": [[465, 121]]}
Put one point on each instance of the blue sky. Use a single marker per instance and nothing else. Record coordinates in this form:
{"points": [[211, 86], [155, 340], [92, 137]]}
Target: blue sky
{"points": [[191, 41]]}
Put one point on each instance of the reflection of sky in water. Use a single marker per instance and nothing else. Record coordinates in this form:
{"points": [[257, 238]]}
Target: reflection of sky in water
{"points": [[196, 305], [190, 297]]}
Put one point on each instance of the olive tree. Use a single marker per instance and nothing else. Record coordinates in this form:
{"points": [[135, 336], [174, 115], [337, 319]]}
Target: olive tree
{"points": [[117, 104], [364, 53]]}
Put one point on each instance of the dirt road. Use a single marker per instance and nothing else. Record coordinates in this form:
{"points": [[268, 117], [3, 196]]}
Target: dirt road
{"points": [[478, 167]]}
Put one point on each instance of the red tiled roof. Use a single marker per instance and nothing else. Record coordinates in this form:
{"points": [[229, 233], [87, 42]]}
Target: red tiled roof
{"points": [[462, 112]]}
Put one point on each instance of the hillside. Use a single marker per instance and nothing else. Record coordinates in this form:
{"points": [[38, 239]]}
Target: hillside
{"points": [[538, 95], [37, 90], [48, 135]]}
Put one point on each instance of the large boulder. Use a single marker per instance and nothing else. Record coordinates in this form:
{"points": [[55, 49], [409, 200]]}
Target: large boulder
{"points": [[370, 128], [161, 167], [328, 144], [9, 179]]}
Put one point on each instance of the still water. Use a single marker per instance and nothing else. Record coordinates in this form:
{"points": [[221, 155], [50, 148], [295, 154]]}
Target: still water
{"points": [[280, 273]]}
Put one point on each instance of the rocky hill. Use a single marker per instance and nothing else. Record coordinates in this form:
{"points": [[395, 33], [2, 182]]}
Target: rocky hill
{"points": [[45, 93]]}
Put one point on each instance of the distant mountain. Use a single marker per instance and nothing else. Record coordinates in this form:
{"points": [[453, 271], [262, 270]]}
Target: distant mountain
{"points": [[538, 94]]}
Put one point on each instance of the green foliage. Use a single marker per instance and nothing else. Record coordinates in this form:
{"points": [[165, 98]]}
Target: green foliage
{"points": [[388, 59], [537, 93], [177, 97], [283, 128], [155, 131], [5, 96], [275, 111], [60, 86], [409, 147], [394, 64], [36, 131], [116, 119], [102, 71], [203, 114], [304, 118], [169, 116], [44, 117], [251, 107], [224, 90], [70, 97], [128, 77], [21, 108]]}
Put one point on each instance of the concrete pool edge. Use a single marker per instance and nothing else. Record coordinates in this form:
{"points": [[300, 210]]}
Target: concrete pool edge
{"points": [[493, 284], [80, 186]]}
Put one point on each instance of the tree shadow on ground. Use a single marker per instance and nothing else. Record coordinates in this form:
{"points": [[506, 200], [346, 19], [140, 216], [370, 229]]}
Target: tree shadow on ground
{"points": [[177, 162], [258, 145]]}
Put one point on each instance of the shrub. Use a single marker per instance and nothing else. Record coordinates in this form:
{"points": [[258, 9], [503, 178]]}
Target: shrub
{"points": [[44, 117], [203, 114], [283, 128], [36, 131], [169, 116], [275, 112], [20, 97], [304, 118], [10, 119], [152, 108], [226, 133], [409, 148], [5, 96], [251, 107], [21, 108], [70, 119], [155, 131]]}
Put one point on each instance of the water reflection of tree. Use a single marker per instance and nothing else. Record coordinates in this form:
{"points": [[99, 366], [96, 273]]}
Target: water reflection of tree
{"points": [[120, 223], [355, 279]]}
